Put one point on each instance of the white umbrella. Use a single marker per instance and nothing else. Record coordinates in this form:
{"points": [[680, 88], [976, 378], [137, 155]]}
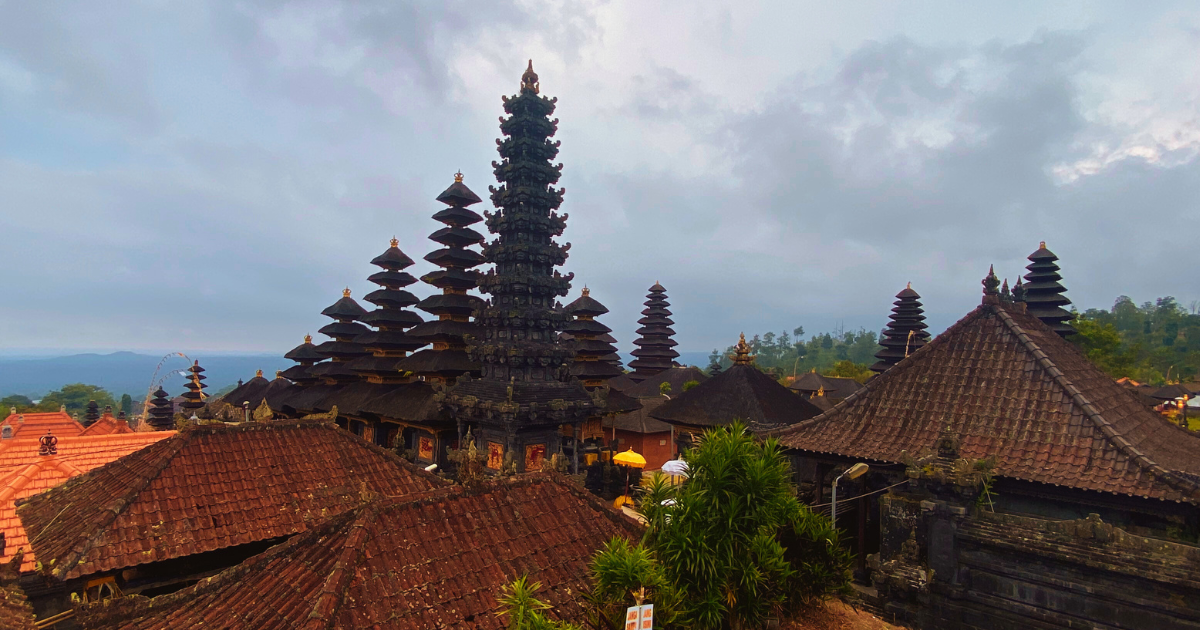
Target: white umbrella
{"points": [[675, 467]]}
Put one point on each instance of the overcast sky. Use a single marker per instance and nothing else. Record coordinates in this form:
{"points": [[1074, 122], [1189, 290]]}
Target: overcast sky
{"points": [[208, 176]]}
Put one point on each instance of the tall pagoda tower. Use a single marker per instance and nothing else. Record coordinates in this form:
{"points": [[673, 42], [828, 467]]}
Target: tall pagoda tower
{"points": [[161, 414], [92, 414], [525, 391], [306, 356], [193, 398], [448, 359], [1043, 293], [591, 351], [905, 332], [341, 349], [656, 349], [388, 345]]}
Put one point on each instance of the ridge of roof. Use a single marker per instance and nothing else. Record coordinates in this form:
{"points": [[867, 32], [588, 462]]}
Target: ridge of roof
{"points": [[1110, 433], [337, 548], [820, 434], [75, 538]]}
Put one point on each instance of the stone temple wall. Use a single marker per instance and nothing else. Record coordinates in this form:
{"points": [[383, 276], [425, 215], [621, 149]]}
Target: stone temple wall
{"points": [[946, 563]]}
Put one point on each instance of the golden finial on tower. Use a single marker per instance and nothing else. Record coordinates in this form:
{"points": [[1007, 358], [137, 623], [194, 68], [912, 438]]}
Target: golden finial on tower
{"points": [[458, 177], [529, 80], [258, 374], [586, 292], [741, 352], [307, 338], [909, 286], [395, 242], [346, 292], [1042, 245]]}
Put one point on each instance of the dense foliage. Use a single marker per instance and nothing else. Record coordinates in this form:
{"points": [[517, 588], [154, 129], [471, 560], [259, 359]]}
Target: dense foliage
{"points": [[74, 397], [727, 548], [1155, 343], [848, 353]]}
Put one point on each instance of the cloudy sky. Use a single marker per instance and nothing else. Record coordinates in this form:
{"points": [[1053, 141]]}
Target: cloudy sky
{"points": [[208, 176]]}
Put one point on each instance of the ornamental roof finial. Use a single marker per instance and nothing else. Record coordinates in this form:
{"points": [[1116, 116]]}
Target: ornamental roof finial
{"points": [[395, 242], [307, 338], [586, 292], [1042, 245], [458, 177], [741, 352], [346, 292], [258, 373], [529, 80]]}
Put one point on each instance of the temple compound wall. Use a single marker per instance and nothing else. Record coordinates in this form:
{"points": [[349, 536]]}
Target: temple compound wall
{"points": [[947, 562]]}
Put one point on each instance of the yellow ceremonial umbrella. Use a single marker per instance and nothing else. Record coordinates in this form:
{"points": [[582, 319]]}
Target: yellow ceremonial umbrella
{"points": [[630, 458]]}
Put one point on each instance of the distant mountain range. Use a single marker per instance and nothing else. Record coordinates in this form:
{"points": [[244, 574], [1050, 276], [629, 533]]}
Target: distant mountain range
{"points": [[126, 372], [130, 373]]}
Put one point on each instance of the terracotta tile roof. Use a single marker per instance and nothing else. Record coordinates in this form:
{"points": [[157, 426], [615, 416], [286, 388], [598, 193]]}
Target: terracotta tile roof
{"points": [[741, 392], [16, 613], [24, 473], [107, 425], [1009, 387], [210, 487], [27, 424], [433, 560]]}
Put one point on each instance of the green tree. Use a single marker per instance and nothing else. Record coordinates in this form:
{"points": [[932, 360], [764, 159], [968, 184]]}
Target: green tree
{"points": [[718, 535], [21, 403], [519, 603], [850, 369], [75, 398], [127, 404]]}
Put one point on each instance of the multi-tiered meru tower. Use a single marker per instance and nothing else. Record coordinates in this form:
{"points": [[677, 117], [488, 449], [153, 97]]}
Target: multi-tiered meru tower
{"points": [[525, 392]]}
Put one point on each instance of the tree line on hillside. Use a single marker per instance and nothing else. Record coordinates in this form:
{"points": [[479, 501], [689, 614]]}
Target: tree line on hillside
{"points": [[74, 398], [1156, 343], [843, 353]]}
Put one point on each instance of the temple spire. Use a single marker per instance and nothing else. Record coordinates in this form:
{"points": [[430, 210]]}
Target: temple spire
{"points": [[161, 414], [453, 306], [591, 352], [306, 356], [1044, 297], [193, 398], [905, 332], [991, 284], [525, 386], [388, 344], [656, 349], [92, 414], [341, 348]]}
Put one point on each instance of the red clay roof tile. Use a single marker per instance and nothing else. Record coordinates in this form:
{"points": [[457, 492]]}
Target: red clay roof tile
{"points": [[210, 487], [435, 559], [1010, 387]]}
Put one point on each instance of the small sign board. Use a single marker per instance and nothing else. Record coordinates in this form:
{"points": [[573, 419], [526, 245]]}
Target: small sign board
{"points": [[640, 617]]}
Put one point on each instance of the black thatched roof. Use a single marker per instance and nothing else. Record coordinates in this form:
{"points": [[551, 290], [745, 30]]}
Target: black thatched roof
{"points": [[833, 386], [252, 388], [650, 387], [741, 392], [639, 420]]}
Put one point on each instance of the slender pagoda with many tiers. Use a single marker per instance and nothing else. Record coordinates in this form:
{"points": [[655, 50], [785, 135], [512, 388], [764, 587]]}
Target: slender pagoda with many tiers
{"points": [[655, 348], [525, 392], [905, 333]]}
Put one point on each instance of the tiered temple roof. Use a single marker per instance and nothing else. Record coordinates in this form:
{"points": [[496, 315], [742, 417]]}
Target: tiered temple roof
{"points": [[526, 377], [1003, 385], [1043, 293], [655, 348], [590, 365], [92, 413], [389, 344], [161, 414], [341, 349], [252, 388], [905, 332], [448, 359], [193, 398], [813, 384]]}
